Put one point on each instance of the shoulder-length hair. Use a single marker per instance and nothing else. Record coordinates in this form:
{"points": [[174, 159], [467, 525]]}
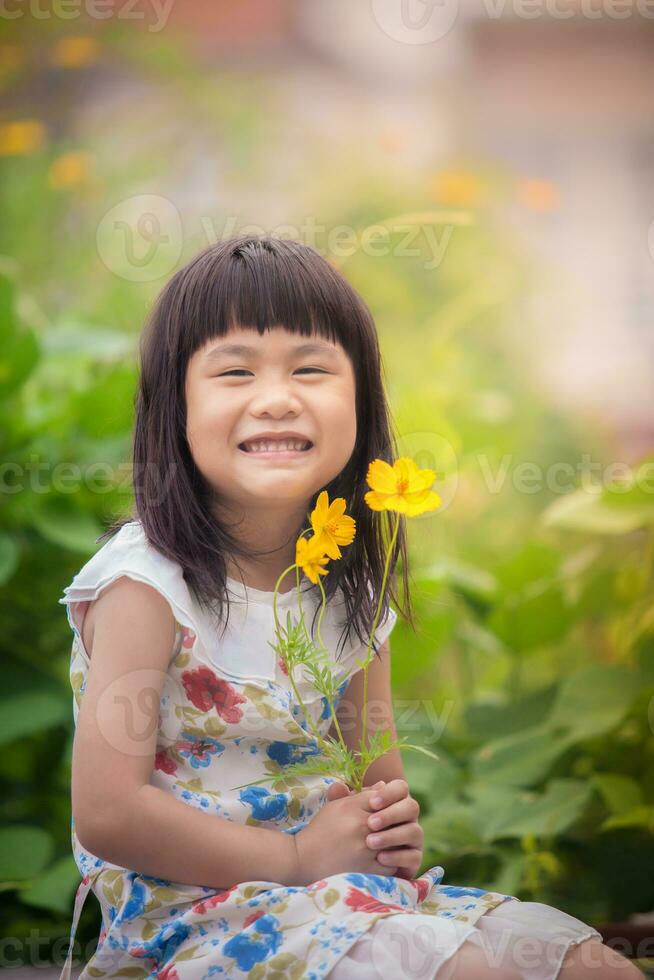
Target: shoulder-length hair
{"points": [[257, 283]]}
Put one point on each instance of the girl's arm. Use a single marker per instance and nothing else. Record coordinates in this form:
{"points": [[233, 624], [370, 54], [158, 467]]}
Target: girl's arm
{"points": [[379, 714], [119, 816]]}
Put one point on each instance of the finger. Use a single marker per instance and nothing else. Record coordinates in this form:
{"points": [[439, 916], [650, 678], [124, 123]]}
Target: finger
{"points": [[401, 857], [395, 790], [407, 834], [404, 811], [385, 869]]}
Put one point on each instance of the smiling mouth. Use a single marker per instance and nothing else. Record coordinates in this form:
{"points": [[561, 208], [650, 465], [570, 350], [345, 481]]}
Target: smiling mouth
{"points": [[269, 450]]}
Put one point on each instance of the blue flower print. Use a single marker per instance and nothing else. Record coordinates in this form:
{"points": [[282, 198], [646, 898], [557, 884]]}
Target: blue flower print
{"points": [[164, 943], [199, 749], [135, 904], [377, 885], [285, 753], [256, 943], [457, 891], [340, 691], [265, 805]]}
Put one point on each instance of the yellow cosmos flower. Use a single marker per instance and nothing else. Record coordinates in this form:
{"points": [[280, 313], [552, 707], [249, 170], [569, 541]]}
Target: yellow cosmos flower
{"points": [[310, 556], [75, 52], [70, 170], [401, 487], [457, 188], [331, 525], [20, 137]]}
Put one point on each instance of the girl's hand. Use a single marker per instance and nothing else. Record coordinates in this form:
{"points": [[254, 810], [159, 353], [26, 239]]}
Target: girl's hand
{"points": [[334, 841], [394, 829]]}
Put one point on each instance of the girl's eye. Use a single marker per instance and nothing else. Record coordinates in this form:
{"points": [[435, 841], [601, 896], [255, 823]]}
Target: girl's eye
{"points": [[243, 371]]}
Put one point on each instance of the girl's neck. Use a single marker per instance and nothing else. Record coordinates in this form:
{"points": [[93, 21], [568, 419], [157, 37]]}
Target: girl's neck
{"points": [[275, 532], [257, 577]]}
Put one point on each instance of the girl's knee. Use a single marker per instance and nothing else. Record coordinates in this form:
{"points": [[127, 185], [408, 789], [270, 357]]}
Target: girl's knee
{"points": [[593, 960], [472, 962]]}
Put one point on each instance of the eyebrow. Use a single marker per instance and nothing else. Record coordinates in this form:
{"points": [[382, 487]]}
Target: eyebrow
{"points": [[245, 350]]}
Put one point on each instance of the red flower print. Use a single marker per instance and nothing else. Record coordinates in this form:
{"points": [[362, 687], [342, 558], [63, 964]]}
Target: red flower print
{"points": [[206, 691], [168, 973], [252, 918], [316, 885], [361, 902], [422, 887], [200, 908], [188, 638], [163, 762]]}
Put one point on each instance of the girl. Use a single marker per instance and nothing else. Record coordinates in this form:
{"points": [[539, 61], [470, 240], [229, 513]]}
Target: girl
{"points": [[260, 386]]}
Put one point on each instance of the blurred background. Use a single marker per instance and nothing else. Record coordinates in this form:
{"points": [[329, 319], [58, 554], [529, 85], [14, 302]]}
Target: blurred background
{"points": [[481, 171]]}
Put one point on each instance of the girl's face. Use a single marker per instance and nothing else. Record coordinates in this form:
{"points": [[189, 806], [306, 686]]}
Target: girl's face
{"points": [[243, 386]]}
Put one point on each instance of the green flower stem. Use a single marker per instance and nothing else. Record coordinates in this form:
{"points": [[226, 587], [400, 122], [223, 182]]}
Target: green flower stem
{"points": [[331, 703], [364, 740], [307, 715]]}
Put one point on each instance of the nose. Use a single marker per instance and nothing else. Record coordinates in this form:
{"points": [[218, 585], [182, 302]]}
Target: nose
{"points": [[277, 401]]}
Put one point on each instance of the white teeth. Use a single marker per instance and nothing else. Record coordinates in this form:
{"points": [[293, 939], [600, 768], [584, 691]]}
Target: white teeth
{"points": [[278, 445]]}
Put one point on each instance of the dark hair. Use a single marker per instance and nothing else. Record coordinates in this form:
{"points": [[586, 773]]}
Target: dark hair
{"points": [[258, 283]]}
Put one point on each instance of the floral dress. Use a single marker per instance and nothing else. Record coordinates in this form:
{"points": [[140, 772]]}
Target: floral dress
{"points": [[228, 716]]}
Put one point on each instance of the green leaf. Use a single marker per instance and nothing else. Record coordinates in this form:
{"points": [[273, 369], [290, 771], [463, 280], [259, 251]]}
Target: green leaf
{"points": [[451, 829], [35, 711], [55, 888], [537, 616], [586, 510], [60, 522], [522, 759], [418, 748], [19, 347], [434, 783], [620, 793], [24, 852], [640, 816], [460, 575], [561, 805], [593, 700], [488, 720], [8, 557], [107, 408]]}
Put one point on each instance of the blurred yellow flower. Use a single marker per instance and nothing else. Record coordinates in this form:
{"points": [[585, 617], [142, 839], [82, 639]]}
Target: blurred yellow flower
{"points": [[310, 556], [70, 170], [456, 188], [537, 194], [331, 525], [75, 52], [401, 487], [21, 137]]}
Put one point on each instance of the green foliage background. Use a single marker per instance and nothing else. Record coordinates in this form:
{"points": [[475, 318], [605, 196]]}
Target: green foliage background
{"points": [[532, 672]]}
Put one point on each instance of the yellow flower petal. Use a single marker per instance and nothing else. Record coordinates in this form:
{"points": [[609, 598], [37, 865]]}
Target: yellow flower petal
{"points": [[332, 527], [75, 52], [70, 170], [403, 487], [310, 557], [21, 136]]}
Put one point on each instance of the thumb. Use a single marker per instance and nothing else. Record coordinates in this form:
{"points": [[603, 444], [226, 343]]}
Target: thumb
{"points": [[337, 791]]}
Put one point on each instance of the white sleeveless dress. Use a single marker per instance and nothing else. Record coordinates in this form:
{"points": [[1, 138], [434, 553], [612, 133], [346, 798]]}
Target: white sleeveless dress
{"points": [[228, 716]]}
